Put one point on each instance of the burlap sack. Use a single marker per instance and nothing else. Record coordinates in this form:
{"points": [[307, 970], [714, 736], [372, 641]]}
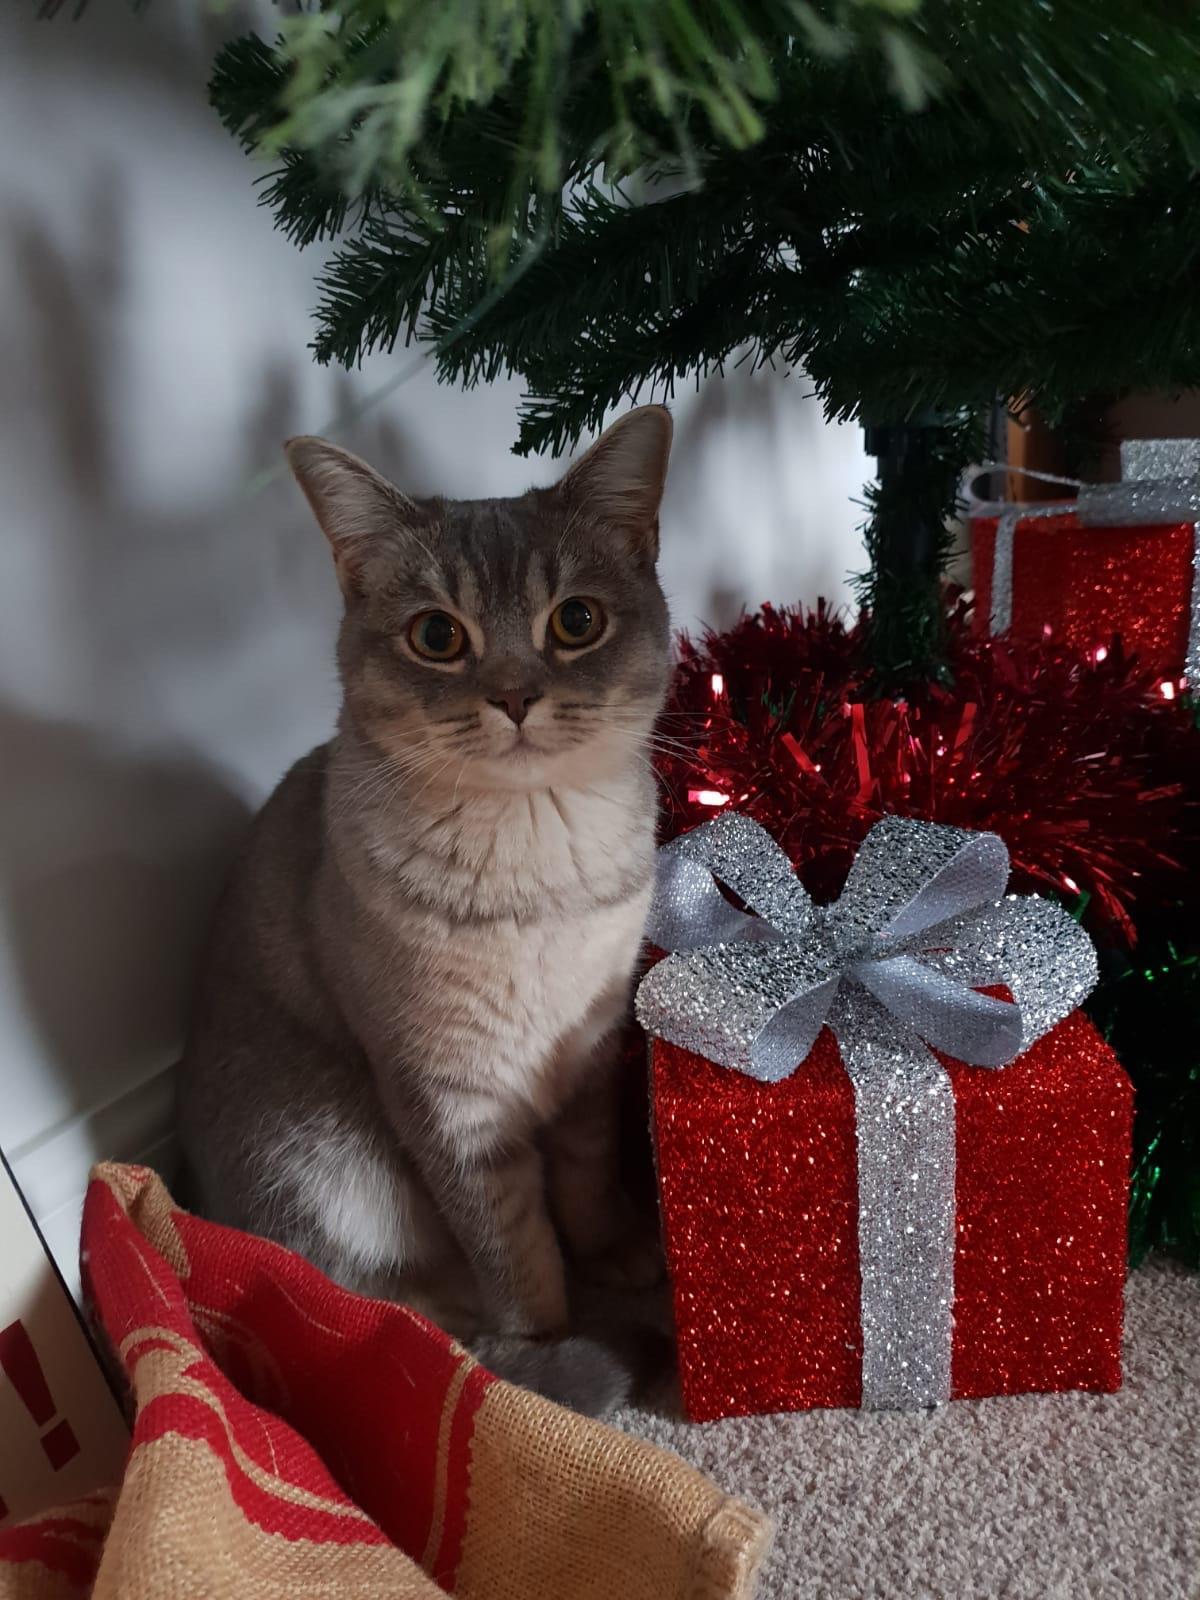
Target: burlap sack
{"points": [[291, 1439]]}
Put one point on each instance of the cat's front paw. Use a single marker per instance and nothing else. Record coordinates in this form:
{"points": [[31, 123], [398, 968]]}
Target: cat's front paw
{"points": [[531, 1325], [536, 1316], [635, 1261]]}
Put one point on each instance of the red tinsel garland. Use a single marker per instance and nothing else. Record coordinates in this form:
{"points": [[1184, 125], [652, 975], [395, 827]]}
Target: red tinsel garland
{"points": [[1078, 765]]}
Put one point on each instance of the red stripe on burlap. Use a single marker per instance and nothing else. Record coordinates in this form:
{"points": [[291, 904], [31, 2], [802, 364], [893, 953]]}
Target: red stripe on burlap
{"points": [[64, 1528], [67, 1546], [444, 1568], [399, 1425], [272, 1473], [265, 1503]]}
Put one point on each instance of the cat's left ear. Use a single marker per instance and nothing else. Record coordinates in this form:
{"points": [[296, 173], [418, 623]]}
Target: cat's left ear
{"points": [[620, 480]]}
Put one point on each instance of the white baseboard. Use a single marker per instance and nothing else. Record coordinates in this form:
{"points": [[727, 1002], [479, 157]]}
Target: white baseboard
{"points": [[52, 1169]]}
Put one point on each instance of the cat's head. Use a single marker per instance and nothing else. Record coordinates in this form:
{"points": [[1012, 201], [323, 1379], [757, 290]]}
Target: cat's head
{"points": [[502, 643]]}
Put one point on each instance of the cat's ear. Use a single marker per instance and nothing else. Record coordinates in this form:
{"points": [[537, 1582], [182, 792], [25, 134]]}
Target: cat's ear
{"points": [[620, 480], [355, 505]]}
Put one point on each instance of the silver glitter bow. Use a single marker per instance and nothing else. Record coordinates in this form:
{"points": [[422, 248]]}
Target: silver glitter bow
{"points": [[1160, 482], [893, 967]]}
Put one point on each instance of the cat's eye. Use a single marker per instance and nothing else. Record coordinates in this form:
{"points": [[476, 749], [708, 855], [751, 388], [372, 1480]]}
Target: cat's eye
{"points": [[577, 622], [437, 636]]}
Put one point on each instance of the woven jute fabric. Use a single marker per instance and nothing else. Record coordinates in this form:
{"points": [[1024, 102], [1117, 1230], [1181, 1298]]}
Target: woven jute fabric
{"points": [[290, 1439]]}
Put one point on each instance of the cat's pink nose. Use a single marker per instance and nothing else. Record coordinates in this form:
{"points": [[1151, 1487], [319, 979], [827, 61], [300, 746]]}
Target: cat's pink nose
{"points": [[516, 703]]}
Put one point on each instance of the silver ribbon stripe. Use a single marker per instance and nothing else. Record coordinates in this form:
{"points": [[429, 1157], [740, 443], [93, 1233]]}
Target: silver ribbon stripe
{"points": [[893, 967], [1160, 482]]}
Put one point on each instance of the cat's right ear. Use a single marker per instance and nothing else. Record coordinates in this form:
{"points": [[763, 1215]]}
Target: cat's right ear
{"points": [[354, 505]]}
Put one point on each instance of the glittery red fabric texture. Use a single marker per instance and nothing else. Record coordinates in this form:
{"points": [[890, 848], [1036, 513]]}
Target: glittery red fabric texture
{"points": [[759, 1194], [1087, 584]]}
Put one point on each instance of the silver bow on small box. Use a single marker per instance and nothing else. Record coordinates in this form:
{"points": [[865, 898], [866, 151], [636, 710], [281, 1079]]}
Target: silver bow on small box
{"points": [[894, 967]]}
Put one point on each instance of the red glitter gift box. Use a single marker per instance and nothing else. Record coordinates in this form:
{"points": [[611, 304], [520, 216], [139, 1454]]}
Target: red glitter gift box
{"points": [[759, 1193], [1121, 560], [1083, 585], [853, 1216]]}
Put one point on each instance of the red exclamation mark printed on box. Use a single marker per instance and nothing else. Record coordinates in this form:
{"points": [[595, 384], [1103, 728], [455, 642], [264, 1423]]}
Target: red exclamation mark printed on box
{"points": [[20, 1365]]}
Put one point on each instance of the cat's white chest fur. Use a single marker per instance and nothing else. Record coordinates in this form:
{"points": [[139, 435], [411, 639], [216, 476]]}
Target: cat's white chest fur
{"points": [[517, 1003], [527, 992]]}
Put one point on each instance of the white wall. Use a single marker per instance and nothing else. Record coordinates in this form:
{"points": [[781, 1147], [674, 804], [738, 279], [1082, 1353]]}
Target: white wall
{"points": [[166, 617]]}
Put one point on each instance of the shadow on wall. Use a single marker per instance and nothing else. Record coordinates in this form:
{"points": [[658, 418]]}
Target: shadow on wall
{"points": [[150, 585], [114, 834], [104, 918], [162, 660]]}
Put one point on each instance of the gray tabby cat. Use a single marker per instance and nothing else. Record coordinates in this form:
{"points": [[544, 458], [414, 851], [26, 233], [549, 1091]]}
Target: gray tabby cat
{"points": [[402, 1059]]}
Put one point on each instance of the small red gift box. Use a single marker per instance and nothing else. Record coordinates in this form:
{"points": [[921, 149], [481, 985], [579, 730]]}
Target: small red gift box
{"points": [[759, 1194], [1121, 559], [1083, 585]]}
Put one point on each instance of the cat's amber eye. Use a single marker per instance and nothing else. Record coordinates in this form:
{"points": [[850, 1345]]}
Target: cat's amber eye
{"points": [[577, 622], [437, 636]]}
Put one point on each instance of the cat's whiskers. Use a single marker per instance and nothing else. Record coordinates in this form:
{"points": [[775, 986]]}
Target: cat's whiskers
{"points": [[457, 781], [388, 794], [428, 760], [570, 523], [636, 734], [639, 750], [433, 776], [373, 775], [604, 717], [388, 775], [391, 769], [666, 746]]}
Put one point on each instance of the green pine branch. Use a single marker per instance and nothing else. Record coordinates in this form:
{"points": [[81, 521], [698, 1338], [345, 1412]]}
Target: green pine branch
{"points": [[905, 261], [572, 388], [641, 259], [365, 83]]}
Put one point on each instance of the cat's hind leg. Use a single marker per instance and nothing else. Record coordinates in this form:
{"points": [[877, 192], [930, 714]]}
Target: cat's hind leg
{"points": [[283, 1137]]}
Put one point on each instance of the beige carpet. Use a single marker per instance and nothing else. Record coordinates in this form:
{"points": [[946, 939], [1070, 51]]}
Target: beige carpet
{"points": [[1056, 1497]]}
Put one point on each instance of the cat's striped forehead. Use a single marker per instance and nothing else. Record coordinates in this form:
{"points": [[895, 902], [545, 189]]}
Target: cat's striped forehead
{"points": [[492, 557], [503, 558]]}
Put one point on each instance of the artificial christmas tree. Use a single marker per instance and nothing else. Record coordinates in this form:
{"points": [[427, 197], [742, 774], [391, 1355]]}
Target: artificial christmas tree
{"points": [[923, 205]]}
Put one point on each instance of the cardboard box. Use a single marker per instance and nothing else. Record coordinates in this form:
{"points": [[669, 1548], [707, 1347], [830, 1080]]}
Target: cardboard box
{"points": [[61, 1430]]}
